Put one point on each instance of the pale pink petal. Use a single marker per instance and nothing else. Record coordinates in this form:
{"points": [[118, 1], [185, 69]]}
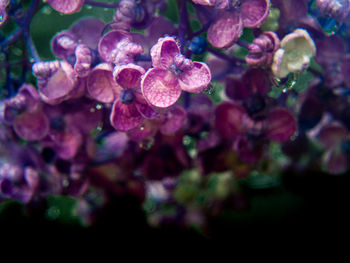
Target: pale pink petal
{"points": [[128, 76], [226, 29], [164, 52], [66, 6], [195, 79], [124, 117], [101, 85], [281, 125], [160, 88], [31, 126], [254, 12]]}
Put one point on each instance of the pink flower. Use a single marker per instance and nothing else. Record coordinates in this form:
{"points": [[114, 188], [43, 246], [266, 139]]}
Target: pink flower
{"points": [[129, 107], [232, 17], [171, 73], [66, 6]]}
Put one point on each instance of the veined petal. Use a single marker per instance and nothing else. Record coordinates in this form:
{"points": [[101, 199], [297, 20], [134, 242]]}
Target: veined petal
{"points": [[124, 117], [160, 87], [109, 42], [164, 52], [101, 85], [195, 79], [143, 107], [128, 76], [254, 12], [31, 126], [67, 144], [83, 60], [225, 30], [66, 6]]}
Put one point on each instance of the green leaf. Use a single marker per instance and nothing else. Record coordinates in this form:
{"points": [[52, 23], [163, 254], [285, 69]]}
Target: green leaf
{"points": [[62, 208]]}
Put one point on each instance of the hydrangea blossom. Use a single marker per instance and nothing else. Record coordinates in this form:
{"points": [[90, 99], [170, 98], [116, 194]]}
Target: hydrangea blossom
{"points": [[297, 48], [171, 73]]}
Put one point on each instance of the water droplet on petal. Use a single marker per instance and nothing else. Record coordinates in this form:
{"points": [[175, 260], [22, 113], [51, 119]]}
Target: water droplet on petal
{"points": [[99, 106], [92, 109], [142, 128], [88, 7]]}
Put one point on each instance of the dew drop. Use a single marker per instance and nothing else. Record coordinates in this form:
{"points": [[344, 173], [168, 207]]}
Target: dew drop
{"points": [[88, 7], [186, 140], [146, 144], [142, 128], [65, 182], [99, 106], [92, 109]]}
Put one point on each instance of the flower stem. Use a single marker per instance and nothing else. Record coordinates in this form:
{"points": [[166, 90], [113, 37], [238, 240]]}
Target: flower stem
{"points": [[100, 4], [223, 56], [183, 24], [243, 44]]}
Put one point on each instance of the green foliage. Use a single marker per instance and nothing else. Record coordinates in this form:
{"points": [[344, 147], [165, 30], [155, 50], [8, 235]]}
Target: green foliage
{"points": [[62, 209]]}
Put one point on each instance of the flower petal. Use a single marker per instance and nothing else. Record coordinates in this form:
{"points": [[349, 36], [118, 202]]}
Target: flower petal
{"points": [[83, 60], [332, 135], [174, 120], [195, 79], [128, 76], [225, 30], [88, 31], [228, 119], [160, 88], [254, 12], [108, 43], [164, 52], [124, 117], [31, 126], [63, 44], [56, 79], [67, 144], [101, 85], [66, 6], [281, 125], [143, 107]]}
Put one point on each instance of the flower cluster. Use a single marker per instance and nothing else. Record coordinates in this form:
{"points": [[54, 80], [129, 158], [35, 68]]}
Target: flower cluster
{"points": [[172, 112]]}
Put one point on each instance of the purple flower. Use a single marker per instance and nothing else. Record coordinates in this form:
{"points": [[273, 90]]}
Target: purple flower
{"points": [[70, 125], [129, 107], [66, 6], [232, 17], [171, 73], [117, 47], [56, 80], [262, 49], [331, 137], [24, 112]]}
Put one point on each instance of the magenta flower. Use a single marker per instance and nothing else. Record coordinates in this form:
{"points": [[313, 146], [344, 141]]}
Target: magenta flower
{"points": [[66, 6], [232, 17], [129, 107], [171, 73]]}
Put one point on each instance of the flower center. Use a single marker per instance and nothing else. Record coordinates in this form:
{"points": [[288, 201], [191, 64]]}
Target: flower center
{"points": [[127, 96], [175, 69], [57, 124]]}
